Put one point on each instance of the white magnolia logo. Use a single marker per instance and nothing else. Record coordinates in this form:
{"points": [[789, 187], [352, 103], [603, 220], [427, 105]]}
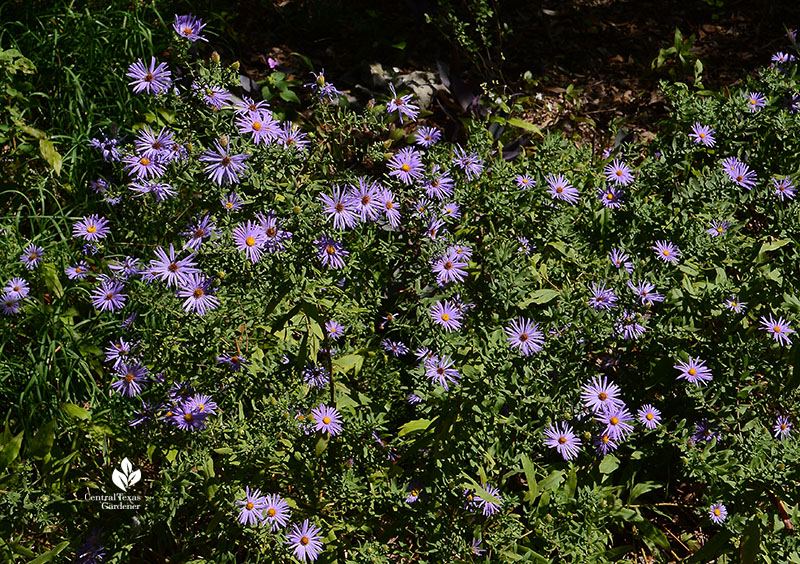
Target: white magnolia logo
{"points": [[123, 480]]}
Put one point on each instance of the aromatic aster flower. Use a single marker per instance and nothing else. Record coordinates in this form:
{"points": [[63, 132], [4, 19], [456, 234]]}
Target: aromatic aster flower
{"points": [[276, 238], [560, 189], [784, 188], [390, 208], [327, 420], [109, 296], [703, 135], [9, 304], [224, 168], [91, 228], [628, 327], [290, 135], [79, 271], [524, 181], [200, 229], [334, 329], [414, 399], [365, 199], [161, 190], [718, 513], [666, 251], [250, 238], [611, 197], [234, 361], [616, 421], [604, 444], [214, 96], [440, 371], [324, 89], [444, 313], [475, 547], [439, 185], [649, 416], [755, 101], [618, 172], [427, 136], [252, 507], [17, 288], [167, 268], [125, 269], [489, 508], [646, 292], [107, 145], [188, 419], [276, 512], [153, 79], [406, 165], [524, 335], [561, 438], [340, 207], [434, 226], [449, 268], [695, 371], [779, 328], [154, 146], [260, 125], [305, 541], [402, 105], [98, 186], [196, 288], [131, 377], [782, 428], [330, 252], [782, 58], [704, 431], [471, 163], [231, 202], [395, 347], [189, 27], [718, 227], [602, 297], [316, 376], [600, 395], [743, 176], [144, 167], [734, 304], [144, 415], [619, 259], [118, 352]]}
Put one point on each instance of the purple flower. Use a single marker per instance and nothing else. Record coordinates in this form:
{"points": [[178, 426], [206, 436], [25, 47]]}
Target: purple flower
{"points": [[327, 420], [406, 165], [189, 27], [784, 188], [144, 167], [440, 185], [402, 105], [276, 512], [107, 145], [561, 438], [560, 189], [330, 252], [252, 507], [524, 181], [487, 507], [718, 513], [695, 371], [782, 428], [316, 376], [224, 168], [702, 135], [154, 146], [601, 395], [79, 271], [704, 431], [334, 329], [475, 547], [290, 135], [666, 251], [524, 335], [781, 58], [734, 304], [131, 376], [109, 296], [449, 268], [440, 371], [618, 173], [153, 79], [364, 199], [471, 163], [444, 313], [17, 289], [126, 268], [196, 288], [118, 352], [743, 176], [231, 202], [619, 259], [188, 419], [611, 197], [755, 101], [170, 270], [779, 328], [144, 415], [434, 226], [260, 125], [248, 105], [91, 228], [649, 416], [426, 136], [340, 207], [276, 237], [202, 228], [214, 96], [627, 326], [160, 190], [718, 227], [390, 208], [602, 297], [9, 304], [395, 347], [234, 361], [202, 403], [324, 89], [250, 238], [604, 444], [616, 421], [305, 541], [645, 292]]}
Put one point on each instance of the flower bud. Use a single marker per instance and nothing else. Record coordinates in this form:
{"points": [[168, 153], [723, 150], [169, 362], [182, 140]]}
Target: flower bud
{"points": [[215, 57]]}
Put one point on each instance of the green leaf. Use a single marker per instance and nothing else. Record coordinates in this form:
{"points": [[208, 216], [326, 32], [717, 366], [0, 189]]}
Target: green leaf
{"points": [[653, 536], [530, 477], [415, 425], [348, 362], [51, 279], [718, 544], [609, 464], [527, 126], [42, 441], [50, 154], [751, 543], [543, 296], [10, 451], [322, 444], [570, 485], [75, 411], [641, 489], [50, 554], [552, 481], [289, 96]]}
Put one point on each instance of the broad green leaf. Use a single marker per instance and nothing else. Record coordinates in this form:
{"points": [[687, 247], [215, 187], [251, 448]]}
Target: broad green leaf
{"points": [[415, 425], [10, 451], [42, 441], [609, 464], [543, 296], [751, 543], [75, 411], [527, 126], [715, 546], [50, 154], [530, 477]]}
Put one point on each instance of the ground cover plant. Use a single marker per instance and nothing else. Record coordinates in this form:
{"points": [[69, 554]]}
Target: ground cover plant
{"points": [[297, 330]]}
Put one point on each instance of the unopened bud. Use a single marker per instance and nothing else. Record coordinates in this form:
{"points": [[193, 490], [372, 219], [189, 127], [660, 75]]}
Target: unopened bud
{"points": [[235, 65], [215, 57]]}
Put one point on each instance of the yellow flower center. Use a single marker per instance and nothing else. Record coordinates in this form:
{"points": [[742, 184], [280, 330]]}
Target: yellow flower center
{"points": [[250, 241], [609, 196], [271, 512], [702, 136], [719, 229], [389, 205], [201, 406], [559, 189], [129, 377], [692, 372], [614, 421], [326, 420], [145, 161], [257, 126], [619, 173], [717, 512], [249, 505], [91, 229], [666, 252], [649, 416], [605, 439], [304, 541], [445, 317], [229, 205], [562, 440], [78, 270], [777, 329], [405, 168], [330, 250], [198, 293], [187, 31], [188, 417]]}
